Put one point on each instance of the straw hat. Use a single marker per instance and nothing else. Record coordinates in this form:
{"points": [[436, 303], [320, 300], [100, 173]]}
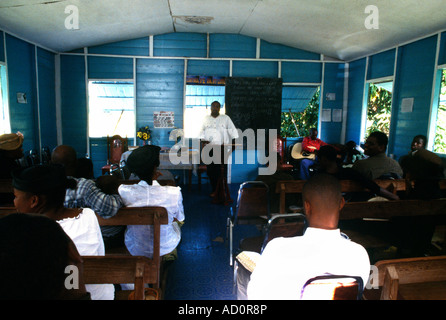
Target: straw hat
{"points": [[11, 141]]}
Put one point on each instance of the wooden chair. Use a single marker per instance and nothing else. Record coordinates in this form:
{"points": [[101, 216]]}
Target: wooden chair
{"points": [[422, 278], [116, 146], [252, 207], [281, 147], [117, 269], [333, 287]]}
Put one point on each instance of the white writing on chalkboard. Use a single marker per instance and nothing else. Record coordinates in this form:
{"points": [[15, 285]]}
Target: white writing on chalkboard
{"points": [[254, 103]]}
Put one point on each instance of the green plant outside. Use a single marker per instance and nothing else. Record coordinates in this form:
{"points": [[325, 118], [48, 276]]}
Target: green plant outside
{"points": [[440, 132], [378, 110], [304, 120]]}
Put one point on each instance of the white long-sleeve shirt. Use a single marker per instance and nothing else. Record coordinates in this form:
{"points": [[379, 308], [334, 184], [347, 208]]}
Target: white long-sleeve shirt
{"points": [[219, 130], [287, 263], [142, 195]]}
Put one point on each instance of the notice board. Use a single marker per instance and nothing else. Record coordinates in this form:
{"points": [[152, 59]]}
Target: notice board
{"points": [[254, 103]]}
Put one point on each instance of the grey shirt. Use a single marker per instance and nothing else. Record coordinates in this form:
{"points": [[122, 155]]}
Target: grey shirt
{"points": [[378, 165]]}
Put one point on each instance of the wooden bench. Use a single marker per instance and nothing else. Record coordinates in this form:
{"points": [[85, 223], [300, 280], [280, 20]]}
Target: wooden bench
{"points": [[391, 209], [155, 216], [421, 278], [295, 187], [117, 269]]}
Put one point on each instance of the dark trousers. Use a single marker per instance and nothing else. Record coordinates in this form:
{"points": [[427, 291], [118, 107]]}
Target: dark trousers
{"points": [[214, 169], [214, 172]]}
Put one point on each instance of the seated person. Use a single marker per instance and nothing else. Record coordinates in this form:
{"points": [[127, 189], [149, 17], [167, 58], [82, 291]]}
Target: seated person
{"points": [[423, 169], [88, 195], [328, 164], [377, 165], [310, 145], [11, 151], [35, 240], [286, 263], [84, 168], [352, 153], [41, 189], [108, 184], [143, 162]]}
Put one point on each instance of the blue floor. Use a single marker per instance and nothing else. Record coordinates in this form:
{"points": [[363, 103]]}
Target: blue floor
{"points": [[202, 270]]}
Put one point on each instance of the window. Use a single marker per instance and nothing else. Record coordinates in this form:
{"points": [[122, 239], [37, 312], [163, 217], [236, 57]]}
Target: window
{"points": [[302, 105], [111, 109], [198, 105], [5, 126], [379, 105], [440, 128]]}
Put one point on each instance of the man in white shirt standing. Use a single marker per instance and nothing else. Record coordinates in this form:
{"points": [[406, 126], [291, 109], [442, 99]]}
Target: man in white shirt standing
{"points": [[217, 130], [287, 263]]}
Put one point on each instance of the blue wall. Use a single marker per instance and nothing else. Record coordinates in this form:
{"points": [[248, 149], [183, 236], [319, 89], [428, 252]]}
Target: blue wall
{"points": [[413, 78], [23, 72], [160, 82], [159, 75]]}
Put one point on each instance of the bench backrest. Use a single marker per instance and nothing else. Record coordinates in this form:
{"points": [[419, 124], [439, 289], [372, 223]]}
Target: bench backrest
{"points": [[394, 208], [155, 216], [414, 270], [296, 187], [117, 269], [396, 272]]}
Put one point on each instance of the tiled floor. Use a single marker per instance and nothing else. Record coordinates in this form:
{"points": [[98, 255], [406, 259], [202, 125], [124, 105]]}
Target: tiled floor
{"points": [[202, 270]]}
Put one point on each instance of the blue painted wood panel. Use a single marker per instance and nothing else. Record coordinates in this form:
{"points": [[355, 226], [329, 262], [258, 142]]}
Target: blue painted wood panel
{"points": [[73, 102], [265, 69], [355, 99], [22, 78], [133, 47], [231, 46], [309, 72], [270, 50], [180, 45], [110, 68], [381, 65], [416, 67], [218, 68], [442, 54], [47, 98], [330, 132], [159, 87], [2, 47]]}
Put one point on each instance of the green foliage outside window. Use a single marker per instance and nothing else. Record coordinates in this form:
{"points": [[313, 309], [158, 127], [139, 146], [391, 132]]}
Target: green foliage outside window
{"points": [[378, 110], [440, 132], [304, 120]]}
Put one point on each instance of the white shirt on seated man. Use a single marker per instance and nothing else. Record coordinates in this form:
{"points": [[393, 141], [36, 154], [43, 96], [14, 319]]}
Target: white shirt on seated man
{"points": [[287, 263]]}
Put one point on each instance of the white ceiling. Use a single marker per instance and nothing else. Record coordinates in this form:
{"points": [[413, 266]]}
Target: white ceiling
{"points": [[334, 28]]}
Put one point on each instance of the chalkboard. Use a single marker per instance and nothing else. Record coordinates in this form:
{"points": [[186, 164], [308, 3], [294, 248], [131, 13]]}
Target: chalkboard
{"points": [[254, 103]]}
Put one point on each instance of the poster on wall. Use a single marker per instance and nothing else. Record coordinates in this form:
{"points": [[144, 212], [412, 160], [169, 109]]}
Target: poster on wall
{"points": [[163, 119]]}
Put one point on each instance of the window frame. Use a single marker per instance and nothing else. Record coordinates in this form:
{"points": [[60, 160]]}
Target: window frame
{"points": [[130, 81], [6, 122]]}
